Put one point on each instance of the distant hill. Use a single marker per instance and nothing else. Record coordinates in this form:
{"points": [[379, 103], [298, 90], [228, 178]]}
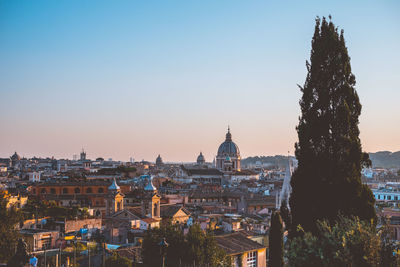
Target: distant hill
{"points": [[385, 159], [381, 159]]}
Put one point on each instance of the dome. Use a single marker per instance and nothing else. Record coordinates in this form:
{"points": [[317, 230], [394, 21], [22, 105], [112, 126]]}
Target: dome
{"points": [[114, 186], [159, 160], [200, 158], [150, 186], [15, 157], [228, 148]]}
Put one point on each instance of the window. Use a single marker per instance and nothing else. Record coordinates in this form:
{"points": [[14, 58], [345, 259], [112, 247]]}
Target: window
{"points": [[89, 190], [101, 190], [46, 243], [77, 190], [52, 190], [43, 191], [252, 259], [65, 191]]}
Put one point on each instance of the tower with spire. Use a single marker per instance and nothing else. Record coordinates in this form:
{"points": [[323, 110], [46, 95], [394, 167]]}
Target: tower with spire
{"points": [[151, 201], [114, 199]]}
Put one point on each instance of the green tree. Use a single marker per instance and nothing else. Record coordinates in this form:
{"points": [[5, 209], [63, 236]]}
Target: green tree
{"points": [[197, 249], [347, 243], [20, 257], [327, 181], [9, 234], [388, 246], [118, 261], [275, 256], [285, 214]]}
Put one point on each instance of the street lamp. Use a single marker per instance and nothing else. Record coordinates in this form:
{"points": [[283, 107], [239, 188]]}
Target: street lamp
{"points": [[163, 245]]}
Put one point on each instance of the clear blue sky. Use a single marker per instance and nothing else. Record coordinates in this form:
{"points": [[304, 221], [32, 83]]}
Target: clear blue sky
{"points": [[142, 78]]}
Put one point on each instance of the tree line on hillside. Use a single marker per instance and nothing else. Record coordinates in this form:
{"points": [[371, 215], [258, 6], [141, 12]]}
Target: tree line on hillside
{"points": [[278, 161], [385, 159]]}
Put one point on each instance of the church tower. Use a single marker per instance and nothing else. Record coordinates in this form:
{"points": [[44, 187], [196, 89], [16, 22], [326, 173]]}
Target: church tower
{"points": [[114, 199], [151, 201]]}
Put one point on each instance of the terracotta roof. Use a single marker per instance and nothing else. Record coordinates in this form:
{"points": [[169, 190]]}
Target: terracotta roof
{"points": [[237, 243]]}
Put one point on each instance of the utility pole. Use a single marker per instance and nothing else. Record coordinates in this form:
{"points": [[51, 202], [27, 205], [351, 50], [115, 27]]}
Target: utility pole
{"points": [[76, 244], [60, 256], [45, 260], [88, 252], [104, 254]]}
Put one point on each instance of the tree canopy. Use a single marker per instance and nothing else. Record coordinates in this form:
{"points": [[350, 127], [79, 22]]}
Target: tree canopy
{"points": [[9, 220], [275, 258], [195, 249], [327, 181]]}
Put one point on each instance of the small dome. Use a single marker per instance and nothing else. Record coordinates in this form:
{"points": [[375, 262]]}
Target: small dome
{"points": [[114, 186], [15, 156], [159, 160], [200, 159], [150, 186]]}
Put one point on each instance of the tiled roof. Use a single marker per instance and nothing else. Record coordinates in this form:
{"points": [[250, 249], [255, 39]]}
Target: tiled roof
{"points": [[237, 243]]}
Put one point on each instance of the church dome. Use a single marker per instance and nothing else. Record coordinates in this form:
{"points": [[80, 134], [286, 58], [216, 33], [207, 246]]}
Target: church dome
{"points": [[15, 157], [159, 161], [200, 159], [150, 186], [228, 148], [114, 186]]}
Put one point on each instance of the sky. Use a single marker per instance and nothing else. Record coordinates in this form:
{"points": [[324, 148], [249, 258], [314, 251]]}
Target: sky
{"points": [[136, 79]]}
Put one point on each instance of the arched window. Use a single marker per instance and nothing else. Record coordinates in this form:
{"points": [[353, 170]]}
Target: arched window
{"points": [[43, 191], [77, 190], [52, 190], [89, 190], [100, 190], [65, 191]]}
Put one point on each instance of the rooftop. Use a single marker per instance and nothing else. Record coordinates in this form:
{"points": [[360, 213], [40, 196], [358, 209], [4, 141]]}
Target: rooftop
{"points": [[237, 243]]}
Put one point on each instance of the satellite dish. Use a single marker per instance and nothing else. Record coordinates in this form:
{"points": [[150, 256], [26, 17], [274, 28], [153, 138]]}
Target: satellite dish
{"points": [[43, 222]]}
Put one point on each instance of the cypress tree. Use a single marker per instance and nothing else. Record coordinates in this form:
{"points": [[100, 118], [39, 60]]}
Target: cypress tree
{"points": [[327, 181], [275, 256]]}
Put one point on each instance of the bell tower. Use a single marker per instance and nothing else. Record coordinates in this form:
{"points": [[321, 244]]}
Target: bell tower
{"points": [[151, 201], [114, 199]]}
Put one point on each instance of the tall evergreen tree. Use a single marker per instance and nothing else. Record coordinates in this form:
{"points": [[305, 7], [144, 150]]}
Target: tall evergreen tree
{"points": [[10, 217], [285, 214], [275, 258], [327, 181]]}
